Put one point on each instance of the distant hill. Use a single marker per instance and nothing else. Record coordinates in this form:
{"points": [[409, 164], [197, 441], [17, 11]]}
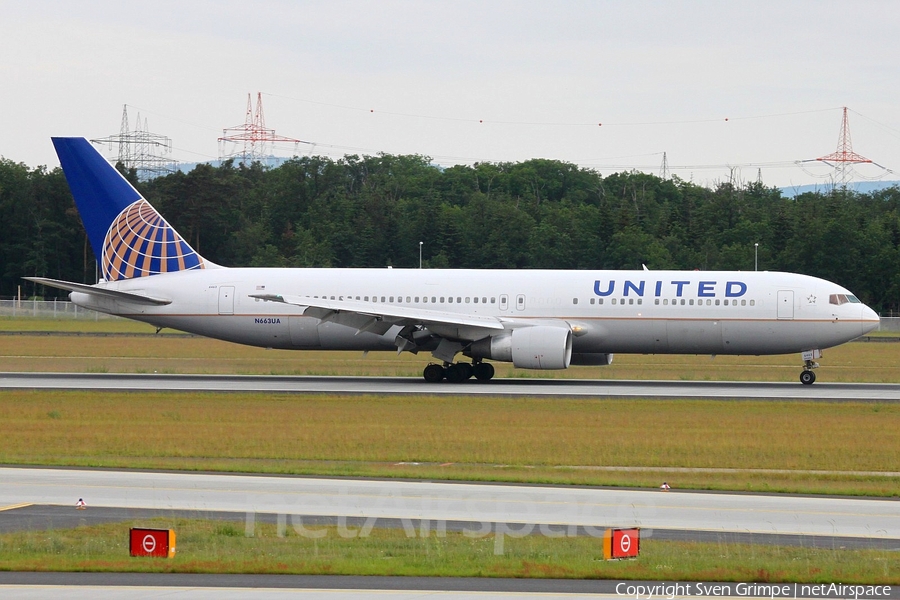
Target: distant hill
{"points": [[270, 161], [863, 187]]}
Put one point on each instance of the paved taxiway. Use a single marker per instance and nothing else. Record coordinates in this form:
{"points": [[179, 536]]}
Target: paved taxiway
{"points": [[485, 503], [78, 592], [227, 586], [197, 586], [413, 385]]}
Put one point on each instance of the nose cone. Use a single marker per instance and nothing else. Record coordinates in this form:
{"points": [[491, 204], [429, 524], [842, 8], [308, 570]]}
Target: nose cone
{"points": [[869, 319]]}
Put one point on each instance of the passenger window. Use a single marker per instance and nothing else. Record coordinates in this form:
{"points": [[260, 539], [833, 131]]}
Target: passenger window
{"points": [[600, 301], [752, 302], [725, 302], [613, 300], [442, 299], [450, 300], [691, 301], [743, 303], [631, 301], [475, 299], [682, 301], [432, 299], [640, 300], [717, 301], [592, 301], [493, 300], [665, 301], [458, 299], [483, 300], [656, 301]]}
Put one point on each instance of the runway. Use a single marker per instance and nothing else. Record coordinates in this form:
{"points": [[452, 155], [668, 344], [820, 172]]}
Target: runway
{"points": [[579, 388], [520, 507]]}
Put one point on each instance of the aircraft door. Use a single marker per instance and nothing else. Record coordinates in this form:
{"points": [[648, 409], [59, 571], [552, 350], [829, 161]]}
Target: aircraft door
{"points": [[785, 304], [226, 300], [504, 302], [520, 302]]}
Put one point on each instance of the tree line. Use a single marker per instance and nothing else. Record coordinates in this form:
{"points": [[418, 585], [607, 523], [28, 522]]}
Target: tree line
{"points": [[372, 211]]}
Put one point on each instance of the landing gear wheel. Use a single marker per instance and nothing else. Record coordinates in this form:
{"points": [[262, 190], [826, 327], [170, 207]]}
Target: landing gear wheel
{"points": [[807, 378], [455, 373], [467, 369], [433, 373], [483, 371]]}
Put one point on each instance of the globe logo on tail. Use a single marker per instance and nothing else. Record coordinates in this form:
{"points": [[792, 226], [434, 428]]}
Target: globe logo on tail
{"points": [[140, 243]]}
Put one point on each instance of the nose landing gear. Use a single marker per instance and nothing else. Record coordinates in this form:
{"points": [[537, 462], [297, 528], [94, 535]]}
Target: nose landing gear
{"points": [[807, 376]]}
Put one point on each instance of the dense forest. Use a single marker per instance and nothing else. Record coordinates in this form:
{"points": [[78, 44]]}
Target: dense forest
{"points": [[373, 211]]}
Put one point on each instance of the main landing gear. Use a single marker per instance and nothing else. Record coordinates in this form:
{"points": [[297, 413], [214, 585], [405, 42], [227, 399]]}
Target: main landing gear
{"points": [[458, 372]]}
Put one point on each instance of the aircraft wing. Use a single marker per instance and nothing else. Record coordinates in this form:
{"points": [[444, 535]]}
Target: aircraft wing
{"points": [[99, 291], [379, 317]]}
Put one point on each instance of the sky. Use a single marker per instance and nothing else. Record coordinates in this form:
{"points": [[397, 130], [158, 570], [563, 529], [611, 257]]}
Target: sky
{"points": [[723, 88]]}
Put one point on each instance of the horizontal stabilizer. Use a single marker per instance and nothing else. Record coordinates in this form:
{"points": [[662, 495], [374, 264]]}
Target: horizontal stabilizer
{"points": [[389, 312], [99, 291]]}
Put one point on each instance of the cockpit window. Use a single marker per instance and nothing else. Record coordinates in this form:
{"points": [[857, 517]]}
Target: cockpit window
{"points": [[839, 299]]}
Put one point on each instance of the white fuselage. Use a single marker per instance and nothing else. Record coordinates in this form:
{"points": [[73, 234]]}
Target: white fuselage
{"points": [[683, 312]]}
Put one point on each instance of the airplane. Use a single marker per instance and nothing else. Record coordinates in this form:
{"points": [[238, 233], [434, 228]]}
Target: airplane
{"points": [[535, 319]]}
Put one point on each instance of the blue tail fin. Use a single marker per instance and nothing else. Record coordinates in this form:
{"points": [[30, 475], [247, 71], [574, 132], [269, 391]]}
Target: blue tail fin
{"points": [[129, 238]]}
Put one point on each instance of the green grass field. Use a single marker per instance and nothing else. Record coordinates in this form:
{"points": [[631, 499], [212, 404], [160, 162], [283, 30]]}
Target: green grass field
{"points": [[828, 448], [769, 445], [855, 362], [222, 547]]}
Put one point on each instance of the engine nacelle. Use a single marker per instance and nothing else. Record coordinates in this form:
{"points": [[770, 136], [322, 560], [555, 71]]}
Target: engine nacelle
{"points": [[595, 359], [539, 347]]}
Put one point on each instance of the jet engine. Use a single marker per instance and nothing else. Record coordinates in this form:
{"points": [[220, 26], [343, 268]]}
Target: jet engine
{"points": [[538, 347]]}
